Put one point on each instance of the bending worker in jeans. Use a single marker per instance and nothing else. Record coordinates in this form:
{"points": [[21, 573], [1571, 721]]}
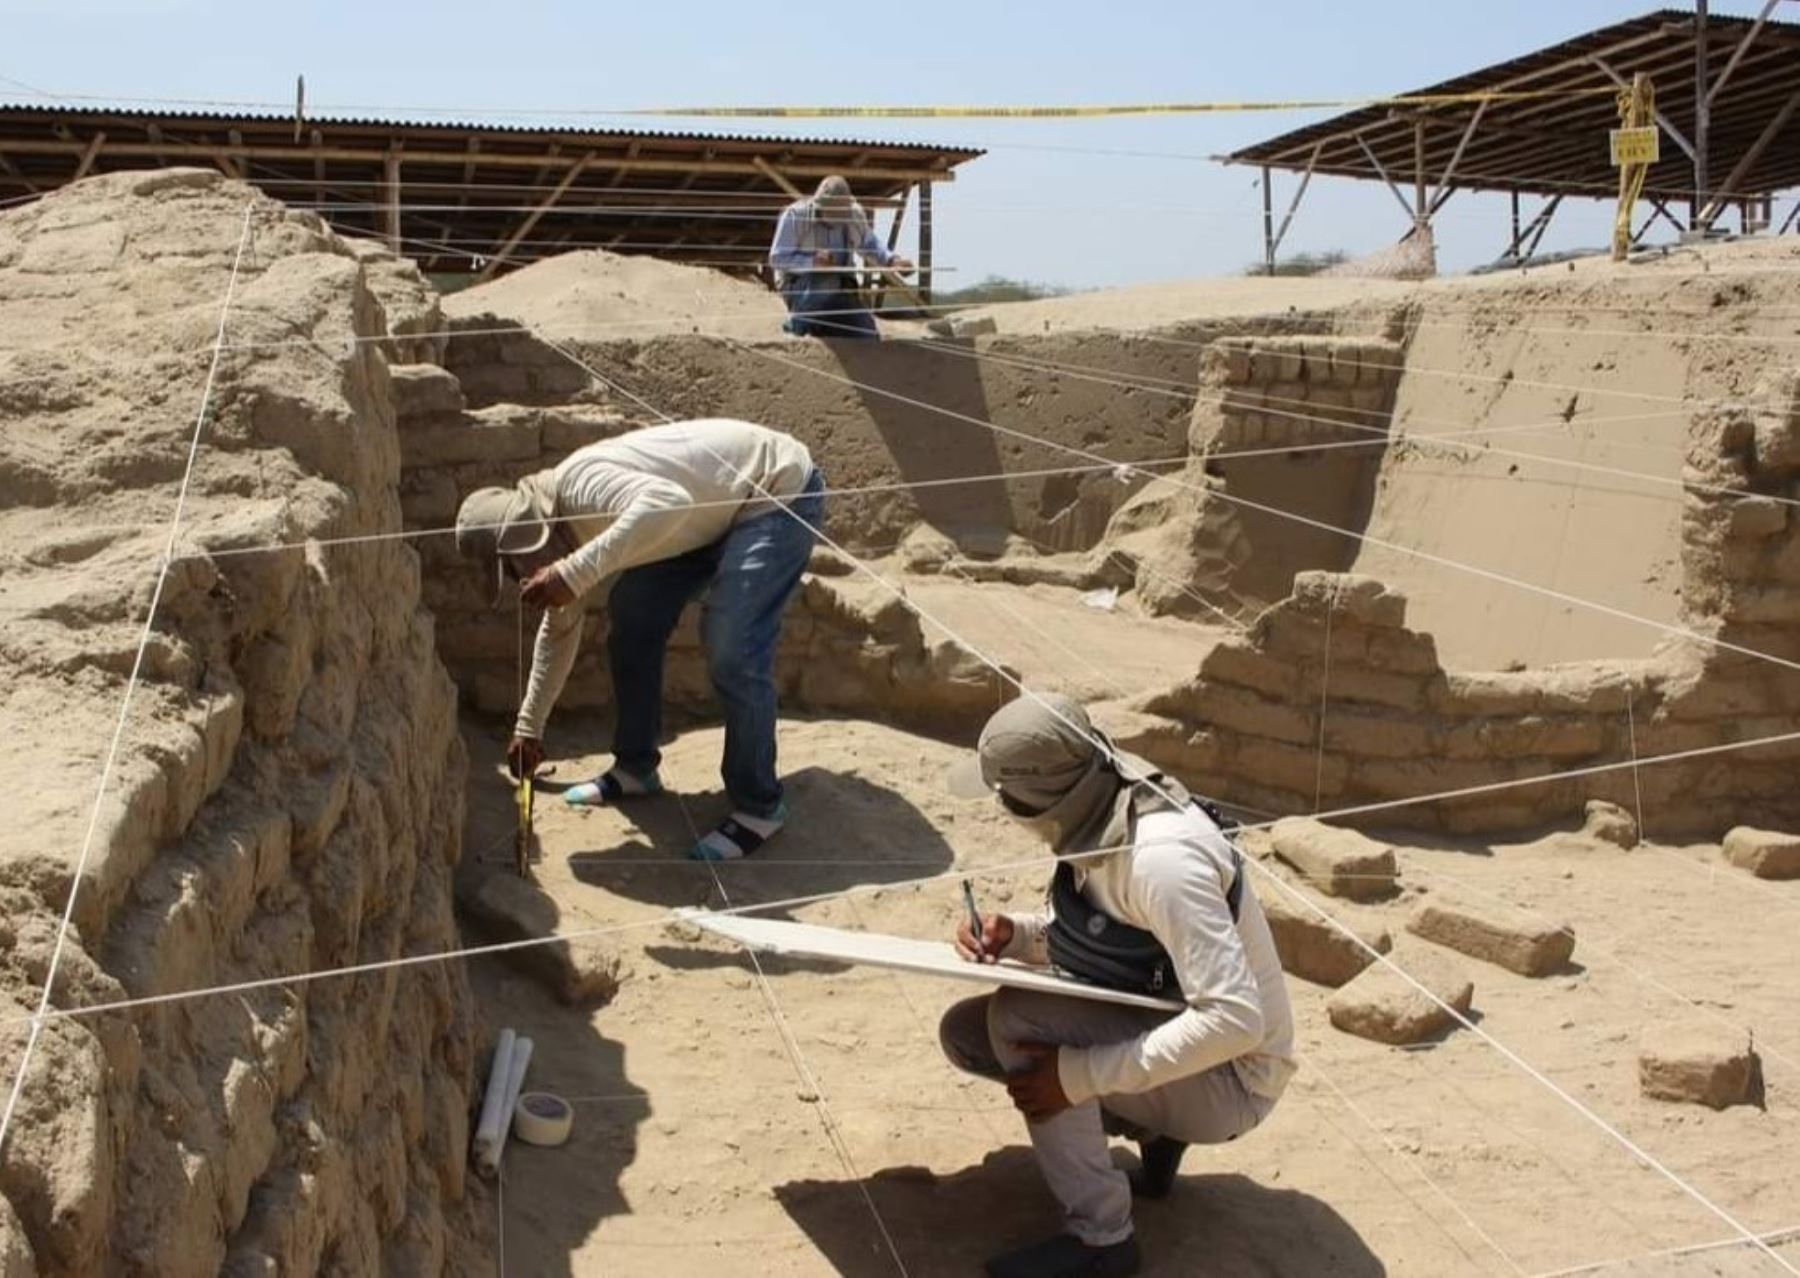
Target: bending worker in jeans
{"points": [[1161, 907], [660, 517], [816, 242]]}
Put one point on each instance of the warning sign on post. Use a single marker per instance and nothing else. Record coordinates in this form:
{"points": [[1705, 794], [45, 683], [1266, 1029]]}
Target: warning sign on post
{"points": [[1636, 146]]}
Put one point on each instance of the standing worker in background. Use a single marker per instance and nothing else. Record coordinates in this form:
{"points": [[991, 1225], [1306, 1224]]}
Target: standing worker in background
{"points": [[1151, 899], [816, 242], [660, 517]]}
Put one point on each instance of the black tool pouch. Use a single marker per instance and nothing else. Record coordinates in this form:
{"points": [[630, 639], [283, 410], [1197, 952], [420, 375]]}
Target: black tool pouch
{"points": [[1091, 946]]}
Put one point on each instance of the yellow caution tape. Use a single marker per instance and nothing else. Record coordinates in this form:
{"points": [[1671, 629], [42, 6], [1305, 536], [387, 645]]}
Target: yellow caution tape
{"points": [[1128, 108]]}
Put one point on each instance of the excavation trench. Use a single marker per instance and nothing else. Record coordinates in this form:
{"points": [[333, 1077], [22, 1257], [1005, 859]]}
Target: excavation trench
{"points": [[308, 772]]}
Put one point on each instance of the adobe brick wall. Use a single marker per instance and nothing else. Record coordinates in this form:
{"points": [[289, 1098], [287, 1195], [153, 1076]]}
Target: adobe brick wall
{"points": [[1329, 700]]}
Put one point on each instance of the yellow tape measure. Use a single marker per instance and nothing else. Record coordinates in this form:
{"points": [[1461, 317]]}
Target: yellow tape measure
{"points": [[522, 841]]}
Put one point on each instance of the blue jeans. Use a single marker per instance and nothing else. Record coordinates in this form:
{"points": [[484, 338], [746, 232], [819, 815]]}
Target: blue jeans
{"points": [[819, 307], [747, 576]]}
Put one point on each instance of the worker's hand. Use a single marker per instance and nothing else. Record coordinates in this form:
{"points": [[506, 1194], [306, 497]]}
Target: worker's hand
{"points": [[823, 258], [545, 588], [523, 755], [901, 264], [996, 935], [1037, 1090]]}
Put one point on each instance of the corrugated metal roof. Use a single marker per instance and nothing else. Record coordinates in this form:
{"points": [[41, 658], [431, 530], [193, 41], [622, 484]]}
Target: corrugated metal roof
{"points": [[1559, 145], [226, 118]]}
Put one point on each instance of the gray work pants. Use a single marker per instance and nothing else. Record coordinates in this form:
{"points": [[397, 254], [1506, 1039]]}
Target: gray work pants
{"points": [[979, 1035]]}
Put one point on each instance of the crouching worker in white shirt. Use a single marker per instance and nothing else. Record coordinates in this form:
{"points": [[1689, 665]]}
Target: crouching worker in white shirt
{"points": [[1161, 907]]}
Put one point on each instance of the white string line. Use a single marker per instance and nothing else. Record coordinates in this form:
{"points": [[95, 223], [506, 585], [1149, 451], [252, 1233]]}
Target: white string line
{"points": [[808, 1079], [1507, 379], [500, 1209], [918, 1018], [1142, 569], [1133, 564], [790, 1042], [575, 332], [1324, 697], [1319, 524], [137, 665], [1100, 743], [1313, 1064], [1384, 434], [999, 602], [1380, 438], [744, 203], [407, 534], [818, 898], [1324, 686], [984, 1114], [1774, 1236], [779, 199], [1589, 947], [1417, 1163]]}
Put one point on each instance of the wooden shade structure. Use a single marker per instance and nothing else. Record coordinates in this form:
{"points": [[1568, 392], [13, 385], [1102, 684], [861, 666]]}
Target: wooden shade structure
{"points": [[1728, 98], [470, 197]]}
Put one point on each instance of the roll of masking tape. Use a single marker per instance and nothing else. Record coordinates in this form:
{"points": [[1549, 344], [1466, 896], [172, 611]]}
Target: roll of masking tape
{"points": [[542, 1119]]}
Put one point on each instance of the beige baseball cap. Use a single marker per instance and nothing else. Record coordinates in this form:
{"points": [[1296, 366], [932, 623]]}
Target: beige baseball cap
{"points": [[1035, 748], [504, 521]]}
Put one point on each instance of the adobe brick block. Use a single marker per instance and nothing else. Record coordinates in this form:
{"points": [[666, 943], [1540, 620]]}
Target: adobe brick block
{"points": [[1337, 861], [1495, 933]]}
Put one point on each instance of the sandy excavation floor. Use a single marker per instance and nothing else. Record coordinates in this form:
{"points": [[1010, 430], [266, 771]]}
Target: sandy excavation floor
{"points": [[714, 1130]]}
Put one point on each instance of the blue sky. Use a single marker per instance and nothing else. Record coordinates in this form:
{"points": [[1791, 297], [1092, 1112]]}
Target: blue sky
{"points": [[1028, 209]]}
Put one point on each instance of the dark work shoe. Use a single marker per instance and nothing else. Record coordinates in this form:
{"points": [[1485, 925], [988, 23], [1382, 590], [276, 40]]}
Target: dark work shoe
{"points": [[1067, 1257], [1161, 1160]]}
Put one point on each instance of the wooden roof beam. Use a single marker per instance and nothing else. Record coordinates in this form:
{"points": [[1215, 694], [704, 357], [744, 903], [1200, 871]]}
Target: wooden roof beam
{"points": [[536, 215], [1741, 170], [496, 159], [1737, 54]]}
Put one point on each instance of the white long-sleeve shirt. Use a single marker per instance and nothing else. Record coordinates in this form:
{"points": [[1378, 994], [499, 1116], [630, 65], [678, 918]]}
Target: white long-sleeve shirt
{"points": [[650, 495], [1172, 884], [801, 233]]}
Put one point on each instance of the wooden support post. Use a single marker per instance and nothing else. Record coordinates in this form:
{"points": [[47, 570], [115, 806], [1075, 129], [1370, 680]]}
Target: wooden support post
{"points": [[88, 156], [1543, 223], [153, 132], [1444, 189], [1293, 206], [1421, 217], [1268, 222], [391, 197], [1515, 222], [1743, 47], [1379, 168], [925, 242], [1702, 122], [1539, 224], [1663, 122], [318, 147], [777, 177], [631, 152], [7, 166], [893, 240], [532, 218], [1741, 169]]}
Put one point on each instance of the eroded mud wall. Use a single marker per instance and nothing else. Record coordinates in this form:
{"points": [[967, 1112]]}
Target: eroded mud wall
{"points": [[278, 801]]}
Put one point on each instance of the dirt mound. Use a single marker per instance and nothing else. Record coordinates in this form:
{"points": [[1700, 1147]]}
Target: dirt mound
{"points": [[596, 295]]}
